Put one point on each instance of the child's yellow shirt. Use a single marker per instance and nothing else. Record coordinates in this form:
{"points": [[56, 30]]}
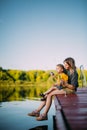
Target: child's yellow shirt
{"points": [[61, 76]]}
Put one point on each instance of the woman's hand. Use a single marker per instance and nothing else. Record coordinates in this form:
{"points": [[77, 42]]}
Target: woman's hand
{"points": [[63, 83]]}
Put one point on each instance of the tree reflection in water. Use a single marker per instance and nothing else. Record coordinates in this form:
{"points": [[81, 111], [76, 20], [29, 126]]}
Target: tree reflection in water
{"points": [[45, 127]]}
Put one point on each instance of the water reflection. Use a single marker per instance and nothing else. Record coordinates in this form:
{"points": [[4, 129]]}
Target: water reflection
{"points": [[45, 127], [16, 112]]}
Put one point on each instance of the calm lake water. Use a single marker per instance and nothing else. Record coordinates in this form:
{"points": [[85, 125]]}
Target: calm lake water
{"points": [[13, 116]]}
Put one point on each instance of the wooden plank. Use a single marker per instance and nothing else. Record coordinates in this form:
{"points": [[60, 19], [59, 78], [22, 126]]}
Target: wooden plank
{"points": [[60, 124], [74, 109]]}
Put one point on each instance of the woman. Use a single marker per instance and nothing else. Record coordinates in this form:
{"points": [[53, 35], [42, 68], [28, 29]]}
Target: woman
{"points": [[69, 88]]}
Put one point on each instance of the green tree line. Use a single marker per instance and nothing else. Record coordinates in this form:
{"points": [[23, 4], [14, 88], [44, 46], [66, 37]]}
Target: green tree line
{"points": [[19, 84]]}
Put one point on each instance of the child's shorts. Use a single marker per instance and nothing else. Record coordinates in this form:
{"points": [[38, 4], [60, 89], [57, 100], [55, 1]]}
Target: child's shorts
{"points": [[59, 87]]}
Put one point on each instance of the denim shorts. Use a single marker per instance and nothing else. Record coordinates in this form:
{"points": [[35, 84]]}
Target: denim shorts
{"points": [[59, 87], [69, 91]]}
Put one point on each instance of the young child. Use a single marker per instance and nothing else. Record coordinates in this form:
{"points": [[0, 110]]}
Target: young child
{"points": [[60, 77]]}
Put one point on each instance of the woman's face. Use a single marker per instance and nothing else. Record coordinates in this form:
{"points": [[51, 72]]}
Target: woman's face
{"points": [[66, 66]]}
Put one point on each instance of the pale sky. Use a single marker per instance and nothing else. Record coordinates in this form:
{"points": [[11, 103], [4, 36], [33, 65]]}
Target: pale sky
{"points": [[39, 34]]}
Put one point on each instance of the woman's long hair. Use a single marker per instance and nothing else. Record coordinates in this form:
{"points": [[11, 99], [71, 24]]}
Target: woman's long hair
{"points": [[71, 62]]}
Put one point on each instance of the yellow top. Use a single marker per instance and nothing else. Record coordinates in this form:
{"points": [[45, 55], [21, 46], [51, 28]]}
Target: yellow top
{"points": [[60, 77]]}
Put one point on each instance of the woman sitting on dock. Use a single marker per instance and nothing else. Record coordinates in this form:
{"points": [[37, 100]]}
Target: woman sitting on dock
{"points": [[70, 87]]}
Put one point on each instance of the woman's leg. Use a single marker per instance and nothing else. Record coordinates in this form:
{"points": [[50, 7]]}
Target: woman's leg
{"points": [[48, 103], [36, 112], [49, 99], [41, 106]]}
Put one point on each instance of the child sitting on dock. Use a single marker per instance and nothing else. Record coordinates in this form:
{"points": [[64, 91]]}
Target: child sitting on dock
{"points": [[60, 77]]}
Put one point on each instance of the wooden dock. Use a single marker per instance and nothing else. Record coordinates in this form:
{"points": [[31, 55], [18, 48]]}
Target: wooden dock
{"points": [[71, 111]]}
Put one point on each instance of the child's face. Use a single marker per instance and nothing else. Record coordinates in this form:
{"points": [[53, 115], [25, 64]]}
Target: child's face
{"points": [[59, 69]]}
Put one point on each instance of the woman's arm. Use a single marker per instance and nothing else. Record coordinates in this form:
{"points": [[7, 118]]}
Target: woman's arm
{"points": [[70, 86], [73, 81]]}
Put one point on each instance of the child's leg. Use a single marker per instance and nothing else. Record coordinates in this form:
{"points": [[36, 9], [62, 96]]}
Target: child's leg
{"points": [[44, 95], [50, 90]]}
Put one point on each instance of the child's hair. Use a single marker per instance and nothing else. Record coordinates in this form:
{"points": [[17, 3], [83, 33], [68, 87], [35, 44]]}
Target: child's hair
{"points": [[60, 65], [71, 62]]}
